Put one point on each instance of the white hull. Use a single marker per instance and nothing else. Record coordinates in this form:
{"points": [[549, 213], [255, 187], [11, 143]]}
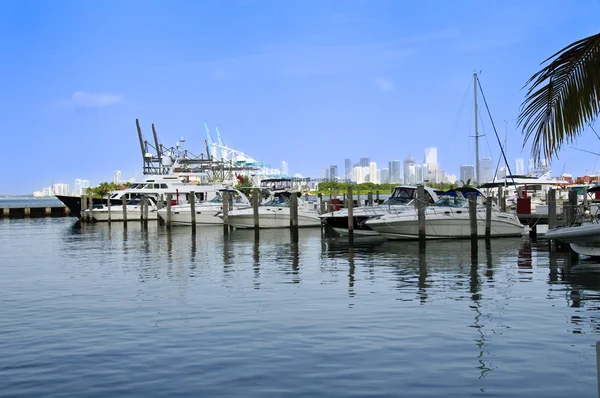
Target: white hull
{"points": [[116, 214], [584, 239], [182, 215], [272, 217], [357, 232], [445, 225]]}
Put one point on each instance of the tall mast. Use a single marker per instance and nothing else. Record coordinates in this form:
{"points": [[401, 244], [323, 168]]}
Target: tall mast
{"points": [[477, 175]]}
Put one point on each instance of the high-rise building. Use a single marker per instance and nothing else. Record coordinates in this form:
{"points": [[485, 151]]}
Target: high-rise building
{"points": [[348, 169], [373, 173], [325, 173], [519, 167], [284, 168], [467, 173], [531, 166], [419, 177], [364, 162], [81, 186], [486, 168], [333, 173], [117, 177], [395, 171], [409, 171], [431, 155], [357, 175], [60, 189], [384, 176]]}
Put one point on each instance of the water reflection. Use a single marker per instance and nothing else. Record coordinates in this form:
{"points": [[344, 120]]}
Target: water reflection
{"points": [[422, 292]]}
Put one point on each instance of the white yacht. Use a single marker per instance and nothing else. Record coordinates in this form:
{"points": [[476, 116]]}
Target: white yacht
{"points": [[206, 211], [447, 218], [583, 239], [403, 198], [275, 211], [134, 211]]}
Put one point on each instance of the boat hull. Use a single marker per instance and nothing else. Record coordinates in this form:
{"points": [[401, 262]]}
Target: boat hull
{"points": [[74, 203], [116, 214], [583, 239], [272, 218]]}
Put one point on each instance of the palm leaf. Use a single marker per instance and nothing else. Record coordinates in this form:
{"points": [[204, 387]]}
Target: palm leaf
{"points": [[562, 97]]}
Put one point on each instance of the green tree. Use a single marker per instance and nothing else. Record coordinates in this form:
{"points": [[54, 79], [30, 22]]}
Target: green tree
{"points": [[563, 97]]}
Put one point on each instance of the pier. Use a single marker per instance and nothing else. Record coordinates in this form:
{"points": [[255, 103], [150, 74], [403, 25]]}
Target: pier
{"points": [[34, 212]]}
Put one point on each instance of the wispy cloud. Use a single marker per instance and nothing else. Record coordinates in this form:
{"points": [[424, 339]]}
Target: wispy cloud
{"points": [[385, 84], [85, 100]]}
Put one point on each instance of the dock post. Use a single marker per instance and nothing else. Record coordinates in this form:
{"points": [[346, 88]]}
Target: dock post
{"points": [[226, 213], [572, 207], [294, 211], [90, 206], [488, 218], [501, 198], [551, 208], [144, 211], [329, 205], [370, 198], [83, 207], [377, 197], [350, 214], [420, 205], [192, 200], [159, 205], [255, 209], [473, 216], [357, 198], [124, 203], [168, 221], [108, 208], [321, 203]]}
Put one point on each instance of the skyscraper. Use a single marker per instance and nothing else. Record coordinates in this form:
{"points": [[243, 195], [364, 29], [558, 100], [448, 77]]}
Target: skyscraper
{"points": [[487, 170], [333, 173], [357, 175], [394, 170], [385, 176], [431, 155], [467, 173], [117, 177], [519, 167], [364, 162], [409, 170], [284, 168], [373, 173], [348, 169]]}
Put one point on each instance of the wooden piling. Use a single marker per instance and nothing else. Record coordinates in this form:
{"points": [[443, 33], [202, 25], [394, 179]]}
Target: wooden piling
{"points": [[488, 218], [294, 211], [192, 200], [226, 213], [370, 198], [473, 215], [420, 205], [551, 208], [377, 197], [255, 204], [350, 215], [168, 221], [108, 208], [83, 207], [124, 204], [572, 207], [321, 203], [329, 205], [501, 205], [357, 198], [160, 205]]}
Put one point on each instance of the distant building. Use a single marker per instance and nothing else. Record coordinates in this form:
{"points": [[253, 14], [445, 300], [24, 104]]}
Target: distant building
{"points": [[325, 173], [364, 162], [284, 168], [384, 176], [60, 189], [348, 169], [117, 177], [467, 172], [409, 171], [81, 186], [333, 172], [373, 173], [357, 175], [519, 167], [395, 174], [486, 168], [431, 155]]}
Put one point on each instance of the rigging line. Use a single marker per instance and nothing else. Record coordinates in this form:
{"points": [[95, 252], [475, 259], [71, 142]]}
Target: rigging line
{"points": [[594, 130], [457, 118], [496, 132]]}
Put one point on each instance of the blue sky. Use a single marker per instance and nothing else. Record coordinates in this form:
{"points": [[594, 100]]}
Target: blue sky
{"points": [[309, 82]]}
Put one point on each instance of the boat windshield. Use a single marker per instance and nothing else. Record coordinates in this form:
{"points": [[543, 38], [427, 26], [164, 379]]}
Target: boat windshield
{"points": [[234, 197], [400, 196], [278, 201], [397, 201], [451, 201], [133, 202]]}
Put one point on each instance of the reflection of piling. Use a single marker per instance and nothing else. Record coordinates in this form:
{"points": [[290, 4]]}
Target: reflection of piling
{"points": [[421, 214], [294, 211], [350, 215], [226, 213], [192, 199], [124, 206], [255, 208], [488, 218], [168, 221]]}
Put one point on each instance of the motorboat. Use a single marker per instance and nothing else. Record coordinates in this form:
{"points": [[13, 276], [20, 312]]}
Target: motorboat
{"points": [[583, 239], [448, 218], [275, 211], [206, 211], [133, 209], [403, 198]]}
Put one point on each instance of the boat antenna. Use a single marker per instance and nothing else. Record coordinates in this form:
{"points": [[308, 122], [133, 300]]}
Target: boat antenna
{"points": [[477, 175], [496, 132]]}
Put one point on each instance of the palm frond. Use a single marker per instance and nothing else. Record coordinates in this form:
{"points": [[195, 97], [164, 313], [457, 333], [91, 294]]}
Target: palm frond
{"points": [[562, 98]]}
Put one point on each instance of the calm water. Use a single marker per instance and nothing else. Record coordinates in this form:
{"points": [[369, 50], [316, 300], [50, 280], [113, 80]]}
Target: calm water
{"points": [[99, 311]]}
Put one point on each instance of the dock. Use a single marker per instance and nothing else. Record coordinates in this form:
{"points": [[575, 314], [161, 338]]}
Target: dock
{"points": [[34, 212]]}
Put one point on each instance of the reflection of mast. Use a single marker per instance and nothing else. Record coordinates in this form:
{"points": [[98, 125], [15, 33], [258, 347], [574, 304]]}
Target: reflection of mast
{"points": [[476, 297]]}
